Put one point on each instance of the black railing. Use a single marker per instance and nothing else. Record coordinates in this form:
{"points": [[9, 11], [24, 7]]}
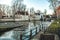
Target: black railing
{"points": [[28, 35]]}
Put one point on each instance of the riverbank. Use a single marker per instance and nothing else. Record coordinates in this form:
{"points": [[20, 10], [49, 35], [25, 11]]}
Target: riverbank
{"points": [[54, 26], [21, 20]]}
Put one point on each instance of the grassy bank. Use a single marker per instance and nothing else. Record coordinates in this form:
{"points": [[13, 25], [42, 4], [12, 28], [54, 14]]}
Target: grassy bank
{"points": [[54, 26]]}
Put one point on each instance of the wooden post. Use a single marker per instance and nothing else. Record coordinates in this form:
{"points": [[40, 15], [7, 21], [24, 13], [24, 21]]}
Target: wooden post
{"points": [[20, 36], [39, 29], [42, 27], [36, 30], [30, 34]]}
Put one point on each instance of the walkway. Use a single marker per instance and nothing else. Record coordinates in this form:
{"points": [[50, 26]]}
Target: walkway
{"points": [[37, 37], [41, 32]]}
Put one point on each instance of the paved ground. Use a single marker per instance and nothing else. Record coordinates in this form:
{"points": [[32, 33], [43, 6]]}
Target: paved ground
{"points": [[37, 37], [41, 32]]}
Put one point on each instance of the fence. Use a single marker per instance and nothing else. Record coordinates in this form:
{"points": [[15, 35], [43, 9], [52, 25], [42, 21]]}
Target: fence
{"points": [[28, 35]]}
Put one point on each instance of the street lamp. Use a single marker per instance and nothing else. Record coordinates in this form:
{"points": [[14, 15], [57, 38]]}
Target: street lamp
{"points": [[42, 20]]}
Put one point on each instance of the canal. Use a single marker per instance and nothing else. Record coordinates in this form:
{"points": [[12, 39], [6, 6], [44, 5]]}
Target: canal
{"points": [[25, 31]]}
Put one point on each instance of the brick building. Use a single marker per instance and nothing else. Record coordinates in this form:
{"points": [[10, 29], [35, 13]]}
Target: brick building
{"points": [[58, 12]]}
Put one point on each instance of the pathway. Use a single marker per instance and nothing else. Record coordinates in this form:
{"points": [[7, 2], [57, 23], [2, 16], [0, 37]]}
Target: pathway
{"points": [[41, 32]]}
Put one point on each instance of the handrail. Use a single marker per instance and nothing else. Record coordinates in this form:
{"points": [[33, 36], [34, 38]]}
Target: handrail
{"points": [[30, 35], [29, 31]]}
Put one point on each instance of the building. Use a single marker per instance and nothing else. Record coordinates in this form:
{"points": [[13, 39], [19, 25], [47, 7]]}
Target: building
{"points": [[22, 15], [58, 12], [39, 15]]}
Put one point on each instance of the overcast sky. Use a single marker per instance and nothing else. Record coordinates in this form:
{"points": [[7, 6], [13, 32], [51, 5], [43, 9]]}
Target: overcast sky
{"points": [[37, 4]]}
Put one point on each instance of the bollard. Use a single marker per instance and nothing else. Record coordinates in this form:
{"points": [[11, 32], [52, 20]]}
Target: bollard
{"points": [[30, 34], [42, 26], [20, 36], [39, 29], [36, 30]]}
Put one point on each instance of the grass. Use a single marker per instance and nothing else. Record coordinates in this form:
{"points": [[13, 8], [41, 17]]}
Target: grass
{"points": [[54, 26], [3, 27]]}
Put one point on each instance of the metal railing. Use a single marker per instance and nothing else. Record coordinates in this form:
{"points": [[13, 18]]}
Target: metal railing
{"points": [[28, 35]]}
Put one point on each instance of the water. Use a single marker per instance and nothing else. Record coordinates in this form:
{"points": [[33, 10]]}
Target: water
{"points": [[15, 35]]}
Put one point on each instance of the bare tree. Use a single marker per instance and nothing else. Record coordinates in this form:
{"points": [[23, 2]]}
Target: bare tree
{"points": [[14, 5], [53, 4], [17, 5]]}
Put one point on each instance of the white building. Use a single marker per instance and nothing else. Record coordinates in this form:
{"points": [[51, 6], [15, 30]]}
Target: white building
{"points": [[21, 15], [39, 15]]}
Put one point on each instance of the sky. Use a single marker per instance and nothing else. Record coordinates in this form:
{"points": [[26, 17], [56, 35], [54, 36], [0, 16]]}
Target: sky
{"points": [[39, 4], [36, 4], [7, 2]]}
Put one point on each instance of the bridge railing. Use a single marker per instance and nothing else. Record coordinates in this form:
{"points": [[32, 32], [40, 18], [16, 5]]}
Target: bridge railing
{"points": [[28, 35]]}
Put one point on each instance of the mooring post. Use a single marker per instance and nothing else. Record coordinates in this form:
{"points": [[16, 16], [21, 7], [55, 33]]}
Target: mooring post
{"points": [[21, 36], [30, 34], [36, 30]]}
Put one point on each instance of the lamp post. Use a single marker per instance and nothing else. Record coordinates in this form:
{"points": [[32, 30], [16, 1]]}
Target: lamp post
{"points": [[42, 20], [29, 20]]}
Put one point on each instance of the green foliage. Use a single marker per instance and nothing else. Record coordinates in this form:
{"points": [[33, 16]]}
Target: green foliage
{"points": [[54, 26], [53, 3]]}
